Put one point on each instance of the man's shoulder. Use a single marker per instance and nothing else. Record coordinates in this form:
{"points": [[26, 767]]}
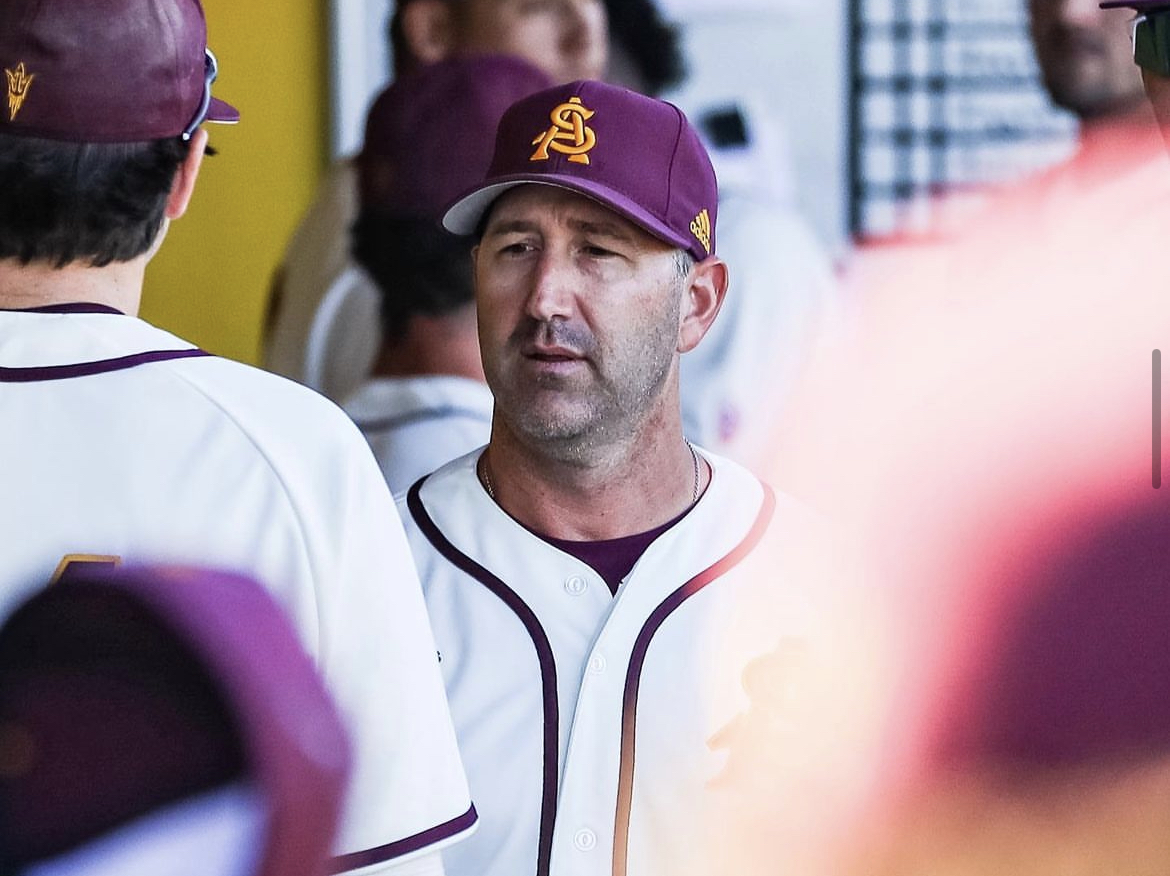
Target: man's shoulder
{"points": [[452, 490], [450, 520], [251, 394], [740, 501], [731, 482], [299, 435]]}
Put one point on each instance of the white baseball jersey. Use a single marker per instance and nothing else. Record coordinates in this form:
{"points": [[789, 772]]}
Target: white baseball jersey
{"points": [[120, 440], [600, 732], [416, 424]]}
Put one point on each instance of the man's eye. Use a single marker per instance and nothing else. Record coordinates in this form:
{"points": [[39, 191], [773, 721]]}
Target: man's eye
{"points": [[598, 252], [517, 248]]}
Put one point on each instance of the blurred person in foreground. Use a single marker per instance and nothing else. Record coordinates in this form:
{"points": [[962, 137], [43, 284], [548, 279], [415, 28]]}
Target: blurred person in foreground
{"points": [[428, 138], [124, 443], [993, 451], [141, 734]]}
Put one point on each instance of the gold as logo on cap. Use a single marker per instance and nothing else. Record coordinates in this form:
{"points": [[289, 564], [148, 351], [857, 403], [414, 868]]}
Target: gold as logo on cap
{"points": [[18, 83], [701, 228], [568, 134], [70, 560]]}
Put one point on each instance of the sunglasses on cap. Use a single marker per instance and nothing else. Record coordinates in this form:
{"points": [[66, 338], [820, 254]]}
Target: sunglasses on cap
{"points": [[210, 73], [1149, 32]]}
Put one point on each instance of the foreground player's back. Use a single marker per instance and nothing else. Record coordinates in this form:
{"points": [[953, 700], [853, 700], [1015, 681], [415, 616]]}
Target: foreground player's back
{"points": [[122, 443], [144, 450]]}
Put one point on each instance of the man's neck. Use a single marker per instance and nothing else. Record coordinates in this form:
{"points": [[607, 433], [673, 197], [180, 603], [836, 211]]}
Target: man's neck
{"points": [[622, 489], [118, 285], [434, 345], [1118, 139]]}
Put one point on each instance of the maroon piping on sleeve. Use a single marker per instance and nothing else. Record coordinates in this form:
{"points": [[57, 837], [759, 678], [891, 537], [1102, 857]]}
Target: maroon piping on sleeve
{"points": [[381, 854]]}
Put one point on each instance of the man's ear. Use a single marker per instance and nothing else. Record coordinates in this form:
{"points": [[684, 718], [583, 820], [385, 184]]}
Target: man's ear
{"points": [[184, 183], [706, 289], [428, 28]]}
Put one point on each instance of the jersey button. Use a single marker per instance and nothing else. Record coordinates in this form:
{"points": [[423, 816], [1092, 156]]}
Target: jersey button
{"points": [[576, 585], [585, 840], [597, 664]]}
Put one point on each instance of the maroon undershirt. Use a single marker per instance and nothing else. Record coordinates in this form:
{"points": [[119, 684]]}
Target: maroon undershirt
{"points": [[613, 558]]}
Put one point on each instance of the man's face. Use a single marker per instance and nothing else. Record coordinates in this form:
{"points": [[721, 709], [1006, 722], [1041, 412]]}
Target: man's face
{"points": [[579, 315], [1085, 56], [567, 39]]}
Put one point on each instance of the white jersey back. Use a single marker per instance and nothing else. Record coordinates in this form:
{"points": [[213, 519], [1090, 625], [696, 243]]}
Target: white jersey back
{"points": [[120, 440], [605, 735], [416, 424]]}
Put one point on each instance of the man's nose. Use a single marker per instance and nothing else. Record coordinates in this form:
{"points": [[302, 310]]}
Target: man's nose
{"points": [[553, 288]]}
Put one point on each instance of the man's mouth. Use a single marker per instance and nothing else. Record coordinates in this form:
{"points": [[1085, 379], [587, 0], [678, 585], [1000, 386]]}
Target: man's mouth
{"points": [[552, 354], [1079, 43]]}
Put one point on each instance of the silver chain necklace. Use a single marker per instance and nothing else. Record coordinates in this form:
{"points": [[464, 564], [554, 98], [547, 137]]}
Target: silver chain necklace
{"points": [[695, 460], [487, 480]]}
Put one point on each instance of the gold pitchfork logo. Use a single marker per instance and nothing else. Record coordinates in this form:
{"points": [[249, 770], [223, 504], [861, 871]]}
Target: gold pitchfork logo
{"points": [[568, 134], [18, 83]]}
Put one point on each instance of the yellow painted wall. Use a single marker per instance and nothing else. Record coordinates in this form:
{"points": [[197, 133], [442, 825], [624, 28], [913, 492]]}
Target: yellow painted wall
{"points": [[209, 282]]}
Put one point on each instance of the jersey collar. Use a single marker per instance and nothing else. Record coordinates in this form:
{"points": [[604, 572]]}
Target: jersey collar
{"points": [[75, 307]]}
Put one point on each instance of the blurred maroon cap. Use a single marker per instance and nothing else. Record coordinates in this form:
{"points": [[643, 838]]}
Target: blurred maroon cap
{"points": [[85, 71], [1075, 672], [634, 154], [429, 134], [123, 691]]}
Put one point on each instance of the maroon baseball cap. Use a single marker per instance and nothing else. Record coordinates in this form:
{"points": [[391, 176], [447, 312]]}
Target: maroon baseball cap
{"points": [[123, 691], [1138, 5], [634, 154], [429, 134], [110, 71]]}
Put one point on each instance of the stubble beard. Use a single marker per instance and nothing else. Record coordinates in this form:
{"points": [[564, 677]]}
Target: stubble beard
{"points": [[578, 419]]}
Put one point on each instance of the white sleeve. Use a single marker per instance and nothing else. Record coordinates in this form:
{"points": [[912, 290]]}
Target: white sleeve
{"points": [[408, 793]]}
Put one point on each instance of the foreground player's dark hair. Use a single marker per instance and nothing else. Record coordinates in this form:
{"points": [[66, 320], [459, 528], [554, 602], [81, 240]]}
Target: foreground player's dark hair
{"points": [[419, 268], [92, 203]]}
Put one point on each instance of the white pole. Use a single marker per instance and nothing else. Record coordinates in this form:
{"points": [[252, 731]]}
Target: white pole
{"points": [[359, 61]]}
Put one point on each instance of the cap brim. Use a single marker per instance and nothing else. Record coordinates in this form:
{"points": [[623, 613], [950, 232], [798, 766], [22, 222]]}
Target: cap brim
{"points": [[1138, 5], [222, 112], [465, 215]]}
